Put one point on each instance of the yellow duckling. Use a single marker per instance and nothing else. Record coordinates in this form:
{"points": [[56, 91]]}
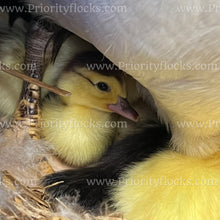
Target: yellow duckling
{"points": [[81, 126]]}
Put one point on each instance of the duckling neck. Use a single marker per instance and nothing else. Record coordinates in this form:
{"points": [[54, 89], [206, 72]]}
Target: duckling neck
{"points": [[85, 117]]}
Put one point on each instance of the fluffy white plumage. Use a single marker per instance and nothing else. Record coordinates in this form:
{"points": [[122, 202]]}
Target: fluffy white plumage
{"points": [[160, 33]]}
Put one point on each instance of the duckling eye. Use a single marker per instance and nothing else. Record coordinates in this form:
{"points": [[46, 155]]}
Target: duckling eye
{"points": [[103, 86]]}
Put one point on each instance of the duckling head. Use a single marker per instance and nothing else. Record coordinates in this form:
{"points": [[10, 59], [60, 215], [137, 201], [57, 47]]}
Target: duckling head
{"points": [[95, 82]]}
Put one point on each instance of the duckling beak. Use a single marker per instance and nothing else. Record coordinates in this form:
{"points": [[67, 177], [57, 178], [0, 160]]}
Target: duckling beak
{"points": [[123, 108]]}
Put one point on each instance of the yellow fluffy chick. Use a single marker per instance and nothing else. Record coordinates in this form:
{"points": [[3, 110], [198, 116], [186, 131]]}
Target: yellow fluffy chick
{"points": [[171, 186], [81, 126]]}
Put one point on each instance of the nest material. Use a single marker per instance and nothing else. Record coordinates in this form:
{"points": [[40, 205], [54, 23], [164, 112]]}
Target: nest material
{"points": [[22, 158], [32, 203]]}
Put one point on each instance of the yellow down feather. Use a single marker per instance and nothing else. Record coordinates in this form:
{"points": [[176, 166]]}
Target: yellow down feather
{"points": [[171, 186]]}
